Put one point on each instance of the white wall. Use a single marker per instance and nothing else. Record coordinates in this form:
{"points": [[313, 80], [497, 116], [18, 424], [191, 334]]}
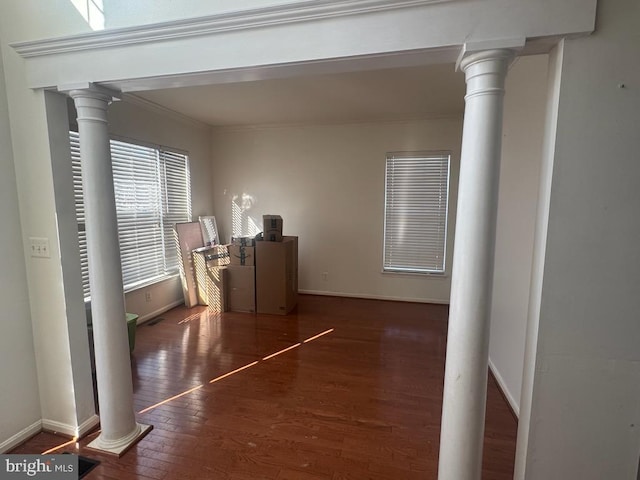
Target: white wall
{"points": [[585, 416], [522, 134], [537, 264], [76, 345], [19, 398], [141, 124], [37, 204], [327, 182]]}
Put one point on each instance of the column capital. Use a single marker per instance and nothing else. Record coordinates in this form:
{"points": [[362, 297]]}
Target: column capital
{"points": [[473, 52], [90, 90], [485, 69], [499, 56], [91, 100]]}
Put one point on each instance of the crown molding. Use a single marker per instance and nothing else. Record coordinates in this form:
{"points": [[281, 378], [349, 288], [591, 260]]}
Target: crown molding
{"points": [[164, 111], [292, 12], [400, 120]]}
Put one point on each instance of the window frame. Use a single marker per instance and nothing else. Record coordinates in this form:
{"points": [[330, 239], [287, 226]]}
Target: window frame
{"points": [[390, 267]]}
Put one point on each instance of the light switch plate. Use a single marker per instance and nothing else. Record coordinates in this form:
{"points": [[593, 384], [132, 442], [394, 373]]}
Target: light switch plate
{"points": [[39, 247]]}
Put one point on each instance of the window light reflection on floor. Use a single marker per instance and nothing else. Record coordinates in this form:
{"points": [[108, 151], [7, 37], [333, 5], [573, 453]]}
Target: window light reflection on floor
{"points": [[237, 370], [233, 372], [65, 444], [281, 351], [191, 390]]}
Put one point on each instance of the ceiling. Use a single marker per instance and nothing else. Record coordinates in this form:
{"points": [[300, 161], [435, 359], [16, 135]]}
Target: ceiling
{"points": [[374, 95]]}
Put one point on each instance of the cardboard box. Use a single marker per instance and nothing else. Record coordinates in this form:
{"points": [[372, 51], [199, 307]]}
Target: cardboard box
{"points": [[210, 283], [216, 288], [240, 286], [216, 256], [277, 276], [243, 241], [272, 228], [239, 255]]}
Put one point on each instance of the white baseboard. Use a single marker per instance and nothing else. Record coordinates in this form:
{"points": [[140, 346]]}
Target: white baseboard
{"points": [[505, 391], [86, 426], [21, 436], [159, 311], [69, 430], [375, 297], [50, 426], [54, 426]]}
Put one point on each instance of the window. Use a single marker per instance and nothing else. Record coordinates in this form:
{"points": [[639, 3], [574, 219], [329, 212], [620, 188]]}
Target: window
{"points": [[92, 11], [415, 218], [152, 190]]}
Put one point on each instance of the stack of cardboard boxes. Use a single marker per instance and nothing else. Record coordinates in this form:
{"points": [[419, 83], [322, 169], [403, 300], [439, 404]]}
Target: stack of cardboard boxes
{"points": [[249, 274]]}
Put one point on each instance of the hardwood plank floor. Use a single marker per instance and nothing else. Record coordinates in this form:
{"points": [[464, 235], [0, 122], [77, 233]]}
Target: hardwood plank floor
{"points": [[362, 401]]}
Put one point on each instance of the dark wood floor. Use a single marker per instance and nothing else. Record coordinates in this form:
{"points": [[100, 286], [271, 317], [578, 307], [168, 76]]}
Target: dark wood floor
{"points": [[362, 401]]}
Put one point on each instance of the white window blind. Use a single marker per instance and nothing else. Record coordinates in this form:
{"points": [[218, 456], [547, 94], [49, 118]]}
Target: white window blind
{"points": [[416, 204], [176, 201], [152, 190], [74, 140]]}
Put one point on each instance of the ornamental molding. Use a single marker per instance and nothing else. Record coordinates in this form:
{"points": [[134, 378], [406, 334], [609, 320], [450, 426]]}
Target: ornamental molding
{"points": [[293, 12]]}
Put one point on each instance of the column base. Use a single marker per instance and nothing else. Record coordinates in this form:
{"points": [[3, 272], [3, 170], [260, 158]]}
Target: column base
{"points": [[120, 446]]}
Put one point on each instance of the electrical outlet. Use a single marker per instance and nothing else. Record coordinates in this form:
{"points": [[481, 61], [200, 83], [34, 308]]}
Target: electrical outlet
{"points": [[147, 296], [39, 247], [325, 276]]}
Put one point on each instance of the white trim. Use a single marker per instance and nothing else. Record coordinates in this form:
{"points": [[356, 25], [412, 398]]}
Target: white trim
{"points": [[405, 120], [89, 89], [350, 63], [79, 431], [438, 301], [21, 437], [120, 446], [159, 311], [503, 387], [88, 425], [58, 427], [292, 12], [515, 44]]}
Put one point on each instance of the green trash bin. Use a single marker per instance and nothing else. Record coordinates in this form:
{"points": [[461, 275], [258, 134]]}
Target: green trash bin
{"points": [[132, 322]]}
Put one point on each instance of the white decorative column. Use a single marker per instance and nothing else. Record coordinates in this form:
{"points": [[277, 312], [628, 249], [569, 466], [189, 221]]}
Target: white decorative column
{"points": [[465, 383], [119, 429]]}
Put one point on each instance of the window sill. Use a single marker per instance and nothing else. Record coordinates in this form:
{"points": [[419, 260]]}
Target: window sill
{"points": [[139, 286], [149, 283], [415, 274]]}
